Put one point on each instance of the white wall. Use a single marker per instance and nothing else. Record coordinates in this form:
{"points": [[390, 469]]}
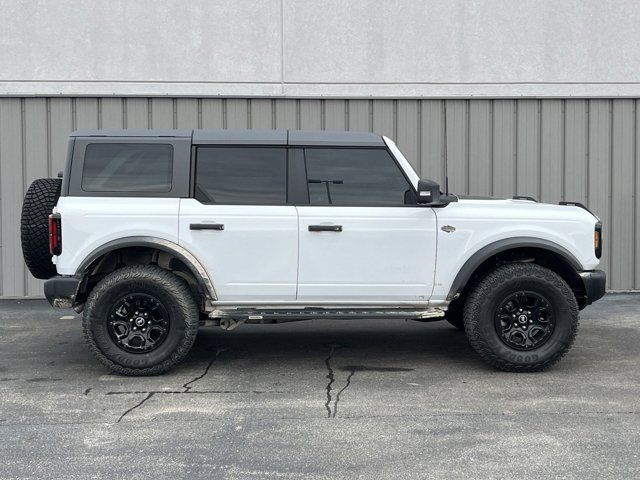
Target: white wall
{"points": [[338, 48]]}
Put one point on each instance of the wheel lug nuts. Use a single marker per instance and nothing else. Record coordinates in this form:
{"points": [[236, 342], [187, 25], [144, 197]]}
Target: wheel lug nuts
{"points": [[134, 328], [530, 321], [524, 326]]}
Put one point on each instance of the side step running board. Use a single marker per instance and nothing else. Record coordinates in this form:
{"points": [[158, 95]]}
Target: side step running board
{"points": [[264, 315]]}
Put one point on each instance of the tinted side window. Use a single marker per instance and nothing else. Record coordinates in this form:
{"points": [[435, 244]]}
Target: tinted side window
{"points": [[241, 175], [127, 167], [355, 176]]}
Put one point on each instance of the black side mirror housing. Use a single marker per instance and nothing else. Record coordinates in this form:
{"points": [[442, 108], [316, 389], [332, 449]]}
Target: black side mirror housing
{"points": [[428, 191], [429, 194]]}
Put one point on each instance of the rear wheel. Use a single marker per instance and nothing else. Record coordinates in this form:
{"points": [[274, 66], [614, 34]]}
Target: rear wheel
{"points": [[140, 320], [521, 317], [42, 195]]}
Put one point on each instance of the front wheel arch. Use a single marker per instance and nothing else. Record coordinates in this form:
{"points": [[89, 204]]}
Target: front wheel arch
{"points": [[519, 250]]}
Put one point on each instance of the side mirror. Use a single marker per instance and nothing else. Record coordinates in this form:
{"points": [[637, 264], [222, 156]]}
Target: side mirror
{"points": [[429, 194]]}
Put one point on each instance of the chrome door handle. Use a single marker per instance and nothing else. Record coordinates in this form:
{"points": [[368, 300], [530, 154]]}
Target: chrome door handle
{"points": [[325, 228], [206, 226]]}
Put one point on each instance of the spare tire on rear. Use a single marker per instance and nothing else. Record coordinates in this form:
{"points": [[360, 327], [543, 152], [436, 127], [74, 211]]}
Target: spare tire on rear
{"points": [[39, 201]]}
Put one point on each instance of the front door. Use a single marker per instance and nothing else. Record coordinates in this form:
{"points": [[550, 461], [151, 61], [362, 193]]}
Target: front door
{"points": [[240, 226], [363, 238]]}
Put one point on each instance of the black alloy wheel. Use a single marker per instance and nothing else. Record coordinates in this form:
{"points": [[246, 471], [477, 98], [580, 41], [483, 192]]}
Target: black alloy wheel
{"points": [[524, 320], [138, 323]]}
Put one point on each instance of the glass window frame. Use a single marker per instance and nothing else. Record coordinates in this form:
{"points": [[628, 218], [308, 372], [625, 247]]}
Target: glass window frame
{"points": [[366, 205], [288, 179], [142, 192], [180, 172]]}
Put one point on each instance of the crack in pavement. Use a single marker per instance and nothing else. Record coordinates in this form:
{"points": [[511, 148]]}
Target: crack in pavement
{"points": [[187, 386], [335, 405], [197, 392], [135, 406], [330, 377], [352, 369]]}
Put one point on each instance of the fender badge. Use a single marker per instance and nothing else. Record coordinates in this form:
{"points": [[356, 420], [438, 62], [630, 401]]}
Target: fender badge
{"points": [[448, 229]]}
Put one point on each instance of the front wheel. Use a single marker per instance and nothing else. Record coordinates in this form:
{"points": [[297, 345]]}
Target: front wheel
{"points": [[521, 317], [140, 320]]}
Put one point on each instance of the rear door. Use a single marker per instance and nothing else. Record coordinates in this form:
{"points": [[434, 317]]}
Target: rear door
{"points": [[363, 238], [240, 224]]}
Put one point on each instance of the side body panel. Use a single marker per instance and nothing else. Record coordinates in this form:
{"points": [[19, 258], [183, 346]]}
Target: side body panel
{"points": [[254, 257], [381, 255], [90, 222], [478, 223]]}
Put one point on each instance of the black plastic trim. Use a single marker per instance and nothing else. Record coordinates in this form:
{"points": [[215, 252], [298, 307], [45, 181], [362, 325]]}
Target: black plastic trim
{"points": [[198, 271], [595, 284], [61, 291], [492, 249]]}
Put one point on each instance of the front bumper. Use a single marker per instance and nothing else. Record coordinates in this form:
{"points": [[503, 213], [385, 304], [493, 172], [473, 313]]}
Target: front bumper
{"points": [[595, 283], [61, 291]]}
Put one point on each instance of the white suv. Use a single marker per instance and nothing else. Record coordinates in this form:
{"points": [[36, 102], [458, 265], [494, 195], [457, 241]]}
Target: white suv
{"points": [[154, 233]]}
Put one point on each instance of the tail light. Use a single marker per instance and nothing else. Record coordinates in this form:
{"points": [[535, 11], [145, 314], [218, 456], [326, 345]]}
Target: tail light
{"points": [[55, 234], [597, 240]]}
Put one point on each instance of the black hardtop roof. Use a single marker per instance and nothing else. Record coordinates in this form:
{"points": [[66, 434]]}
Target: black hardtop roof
{"points": [[250, 137]]}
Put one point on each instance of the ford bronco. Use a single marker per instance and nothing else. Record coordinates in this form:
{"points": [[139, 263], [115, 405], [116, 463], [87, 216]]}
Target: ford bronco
{"points": [[154, 233]]}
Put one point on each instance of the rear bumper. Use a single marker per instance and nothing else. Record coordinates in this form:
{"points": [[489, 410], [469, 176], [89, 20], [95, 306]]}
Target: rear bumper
{"points": [[595, 283], [61, 291]]}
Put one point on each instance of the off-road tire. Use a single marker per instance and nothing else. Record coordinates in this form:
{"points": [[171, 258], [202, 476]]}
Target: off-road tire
{"points": [[482, 304], [42, 195], [174, 295]]}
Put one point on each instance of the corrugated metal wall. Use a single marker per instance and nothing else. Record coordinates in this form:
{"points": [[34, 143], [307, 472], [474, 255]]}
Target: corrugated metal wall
{"points": [[582, 150]]}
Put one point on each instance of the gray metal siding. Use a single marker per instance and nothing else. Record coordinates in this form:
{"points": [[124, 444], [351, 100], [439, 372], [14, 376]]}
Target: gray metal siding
{"points": [[552, 149]]}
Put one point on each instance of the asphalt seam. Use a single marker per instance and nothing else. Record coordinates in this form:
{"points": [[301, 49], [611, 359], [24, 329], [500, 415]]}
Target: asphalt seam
{"points": [[346, 417]]}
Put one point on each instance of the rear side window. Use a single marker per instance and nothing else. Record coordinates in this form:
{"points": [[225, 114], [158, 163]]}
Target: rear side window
{"points": [[356, 177], [127, 167], [241, 175]]}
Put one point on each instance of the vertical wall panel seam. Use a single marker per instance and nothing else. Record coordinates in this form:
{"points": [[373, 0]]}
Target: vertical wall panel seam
{"points": [[2, 242], [273, 113], [298, 115], [515, 147], [370, 115], [492, 158], [563, 168], [634, 207], [443, 140], [395, 120], [99, 113], [48, 146], [249, 119], [467, 141], [346, 115], [74, 118], [124, 110], [587, 149], [323, 114], [150, 112], [199, 107], [419, 136], [610, 195], [23, 142], [539, 182], [174, 106]]}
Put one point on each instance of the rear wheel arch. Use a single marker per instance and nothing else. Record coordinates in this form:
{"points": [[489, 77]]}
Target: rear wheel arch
{"points": [[519, 250], [144, 250]]}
